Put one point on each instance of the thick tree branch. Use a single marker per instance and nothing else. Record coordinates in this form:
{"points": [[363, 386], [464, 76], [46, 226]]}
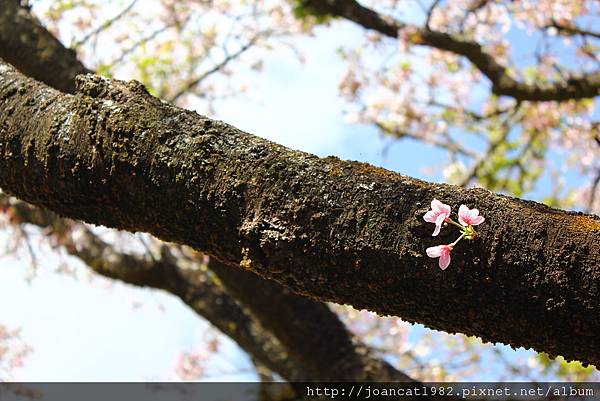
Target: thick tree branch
{"points": [[308, 329], [45, 58], [586, 86], [102, 259], [139, 271], [339, 231], [26, 44], [318, 345], [194, 287]]}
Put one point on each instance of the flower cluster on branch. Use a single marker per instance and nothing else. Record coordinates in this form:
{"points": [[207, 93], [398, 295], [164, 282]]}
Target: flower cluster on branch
{"points": [[440, 214]]}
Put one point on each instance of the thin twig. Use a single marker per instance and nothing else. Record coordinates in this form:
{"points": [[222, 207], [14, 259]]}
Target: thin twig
{"points": [[473, 114], [449, 145], [491, 148], [572, 30], [105, 25], [137, 44], [593, 191], [434, 4], [195, 82]]}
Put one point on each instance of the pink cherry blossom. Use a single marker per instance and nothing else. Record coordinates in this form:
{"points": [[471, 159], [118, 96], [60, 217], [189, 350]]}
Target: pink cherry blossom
{"points": [[469, 217], [442, 252], [438, 214]]}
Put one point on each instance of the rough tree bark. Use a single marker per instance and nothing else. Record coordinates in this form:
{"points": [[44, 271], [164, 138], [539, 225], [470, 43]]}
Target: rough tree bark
{"points": [[310, 342], [193, 285], [354, 363], [335, 230]]}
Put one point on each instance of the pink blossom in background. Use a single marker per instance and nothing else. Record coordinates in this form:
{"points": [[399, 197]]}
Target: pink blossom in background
{"points": [[469, 217], [190, 366], [442, 252], [13, 352], [438, 214], [193, 365]]}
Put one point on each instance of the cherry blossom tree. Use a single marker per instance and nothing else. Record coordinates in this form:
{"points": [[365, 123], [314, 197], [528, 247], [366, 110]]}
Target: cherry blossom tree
{"points": [[456, 75]]}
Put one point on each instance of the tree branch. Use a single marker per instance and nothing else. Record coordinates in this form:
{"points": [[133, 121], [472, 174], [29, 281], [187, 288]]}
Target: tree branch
{"points": [[447, 144], [107, 261], [572, 30], [217, 67], [585, 86], [308, 329], [339, 231], [26, 44], [318, 345], [194, 287], [105, 24]]}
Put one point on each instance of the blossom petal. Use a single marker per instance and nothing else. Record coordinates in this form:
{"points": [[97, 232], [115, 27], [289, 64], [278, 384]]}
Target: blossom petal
{"points": [[440, 207], [434, 251], [430, 216], [436, 205], [477, 220], [438, 224], [463, 215], [440, 219], [438, 214], [446, 209], [468, 216], [444, 260]]}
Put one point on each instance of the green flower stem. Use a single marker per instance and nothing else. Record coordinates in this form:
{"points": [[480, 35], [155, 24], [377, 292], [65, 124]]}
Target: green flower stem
{"points": [[458, 239], [468, 232], [449, 220]]}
